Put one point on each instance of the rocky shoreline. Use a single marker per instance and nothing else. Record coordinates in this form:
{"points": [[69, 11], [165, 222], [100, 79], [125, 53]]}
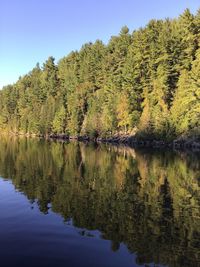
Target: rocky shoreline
{"points": [[128, 140], [132, 141]]}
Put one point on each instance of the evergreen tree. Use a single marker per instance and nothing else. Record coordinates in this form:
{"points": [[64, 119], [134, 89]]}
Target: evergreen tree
{"points": [[58, 124], [186, 106]]}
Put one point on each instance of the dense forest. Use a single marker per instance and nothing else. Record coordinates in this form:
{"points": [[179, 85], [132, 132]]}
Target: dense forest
{"points": [[145, 83], [131, 197]]}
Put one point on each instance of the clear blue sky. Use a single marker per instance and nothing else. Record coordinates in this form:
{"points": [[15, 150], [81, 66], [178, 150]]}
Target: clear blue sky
{"points": [[32, 30]]}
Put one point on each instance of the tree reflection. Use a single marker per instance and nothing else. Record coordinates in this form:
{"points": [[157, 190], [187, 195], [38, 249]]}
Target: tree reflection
{"points": [[150, 201]]}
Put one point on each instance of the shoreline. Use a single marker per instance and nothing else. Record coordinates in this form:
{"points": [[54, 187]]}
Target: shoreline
{"points": [[128, 140]]}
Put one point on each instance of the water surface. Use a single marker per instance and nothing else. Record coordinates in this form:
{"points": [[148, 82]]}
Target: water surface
{"points": [[75, 204]]}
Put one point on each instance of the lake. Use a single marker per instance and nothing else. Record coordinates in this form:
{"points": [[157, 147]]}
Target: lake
{"points": [[82, 205]]}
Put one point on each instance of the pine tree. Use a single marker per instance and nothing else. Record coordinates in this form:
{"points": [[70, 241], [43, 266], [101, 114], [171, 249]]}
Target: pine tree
{"points": [[58, 125], [186, 106]]}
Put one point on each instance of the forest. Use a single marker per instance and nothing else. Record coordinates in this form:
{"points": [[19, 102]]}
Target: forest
{"points": [[145, 83]]}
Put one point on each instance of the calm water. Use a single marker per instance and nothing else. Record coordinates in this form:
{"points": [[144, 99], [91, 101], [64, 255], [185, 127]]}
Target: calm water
{"points": [[70, 204]]}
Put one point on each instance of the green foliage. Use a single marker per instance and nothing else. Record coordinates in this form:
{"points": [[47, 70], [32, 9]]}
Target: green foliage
{"points": [[59, 121], [147, 80], [186, 105]]}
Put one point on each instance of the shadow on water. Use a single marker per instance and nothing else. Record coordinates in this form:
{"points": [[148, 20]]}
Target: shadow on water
{"points": [[148, 200]]}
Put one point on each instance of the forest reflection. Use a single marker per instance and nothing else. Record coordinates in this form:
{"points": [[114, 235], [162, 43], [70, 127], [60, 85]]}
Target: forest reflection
{"points": [[150, 201]]}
